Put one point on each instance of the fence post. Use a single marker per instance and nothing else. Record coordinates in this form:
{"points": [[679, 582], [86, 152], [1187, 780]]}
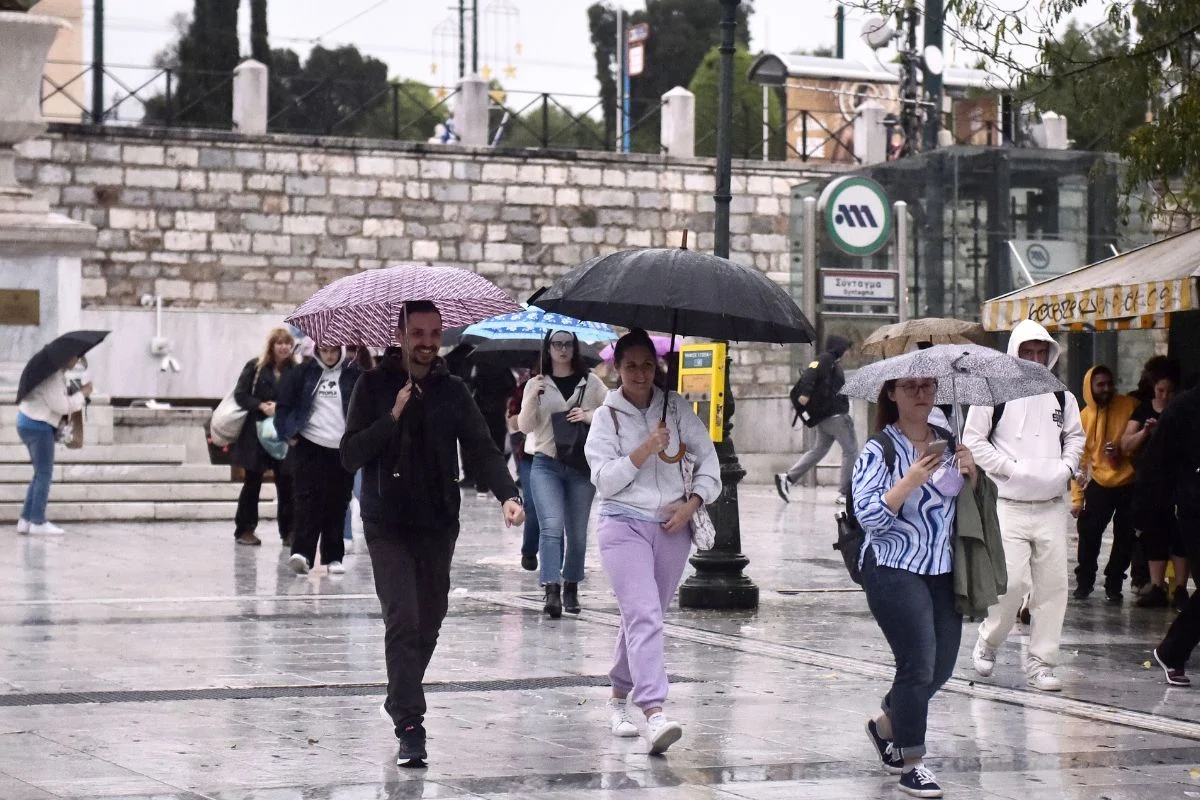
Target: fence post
{"points": [[250, 97], [870, 136], [545, 120], [170, 109], [396, 110], [678, 132], [471, 111]]}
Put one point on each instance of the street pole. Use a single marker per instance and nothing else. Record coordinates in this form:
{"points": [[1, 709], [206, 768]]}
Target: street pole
{"points": [[98, 62], [619, 144], [932, 81], [718, 582], [462, 39], [474, 37]]}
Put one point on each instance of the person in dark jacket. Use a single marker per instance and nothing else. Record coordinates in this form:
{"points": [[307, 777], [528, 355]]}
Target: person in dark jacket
{"points": [[255, 391], [816, 401], [404, 427], [1169, 476], [311, 416]]}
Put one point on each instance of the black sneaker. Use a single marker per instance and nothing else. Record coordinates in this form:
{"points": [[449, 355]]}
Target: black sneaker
{"points": [[412, 745], [919, 782], [529, 562], [1114, 597], [1180, 601], [1081, 592], [891, 760], [1154, 597]]}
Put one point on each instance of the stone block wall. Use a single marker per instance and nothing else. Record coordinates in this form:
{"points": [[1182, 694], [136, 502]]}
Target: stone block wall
{"points": [[212, 220]]}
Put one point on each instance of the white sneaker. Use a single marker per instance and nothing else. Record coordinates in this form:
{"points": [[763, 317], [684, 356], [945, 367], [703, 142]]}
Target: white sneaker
{"points": [[661, 733], [22, 526], [299, 564], [619, 721], [336, 568], [840, 499], [45, 528], [783, 486], [1044, 680], [983, 658]]}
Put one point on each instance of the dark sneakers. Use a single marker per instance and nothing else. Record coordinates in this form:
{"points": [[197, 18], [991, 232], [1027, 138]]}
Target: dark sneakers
{"points": [[1180, 600], [1175, 676], [891, 760], [919, 782], [1154, 597], [529, 562], [412, 745], [1081, 592]]}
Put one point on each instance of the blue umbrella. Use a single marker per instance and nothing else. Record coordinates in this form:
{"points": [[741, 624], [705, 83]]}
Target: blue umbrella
{"points": [[534, 323]]}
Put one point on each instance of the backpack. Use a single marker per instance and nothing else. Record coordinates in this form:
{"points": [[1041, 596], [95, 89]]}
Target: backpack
{"points": [[850, 535], [998, 412]]}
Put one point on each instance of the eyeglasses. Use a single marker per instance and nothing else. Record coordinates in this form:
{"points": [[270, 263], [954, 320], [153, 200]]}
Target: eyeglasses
{"points": [[564, 345], [914, 389]]}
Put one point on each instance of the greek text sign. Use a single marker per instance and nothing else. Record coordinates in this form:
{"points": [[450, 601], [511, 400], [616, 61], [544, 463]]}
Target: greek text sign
{"points": [[863, 286], [1094, 307]]}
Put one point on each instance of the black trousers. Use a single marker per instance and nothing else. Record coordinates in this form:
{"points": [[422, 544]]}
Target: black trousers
{"points": [[322, 488], [1184, 633], [412, 580], [1101, 506], [246, 518]]}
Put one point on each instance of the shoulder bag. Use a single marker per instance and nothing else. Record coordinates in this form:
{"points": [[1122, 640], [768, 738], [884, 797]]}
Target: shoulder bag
{"points": [[228, 418]]}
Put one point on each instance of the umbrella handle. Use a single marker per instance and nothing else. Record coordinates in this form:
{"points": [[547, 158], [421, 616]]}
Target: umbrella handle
{"points": [[675, 459]]}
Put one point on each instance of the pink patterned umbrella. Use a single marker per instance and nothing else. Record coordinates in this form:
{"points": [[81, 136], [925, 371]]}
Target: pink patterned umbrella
{"points": [[365, 308]]}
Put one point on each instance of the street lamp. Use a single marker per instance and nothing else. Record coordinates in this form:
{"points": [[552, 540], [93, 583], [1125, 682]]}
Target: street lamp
{"points": [[718, 581]]}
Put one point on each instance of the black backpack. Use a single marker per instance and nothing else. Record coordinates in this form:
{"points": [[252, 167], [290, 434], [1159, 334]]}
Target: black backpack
{"points": [[998, 412], [850, 535]]}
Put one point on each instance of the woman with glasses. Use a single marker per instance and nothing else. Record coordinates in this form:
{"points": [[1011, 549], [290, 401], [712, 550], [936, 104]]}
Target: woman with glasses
{"points": [[905, 489], [556, 410]]}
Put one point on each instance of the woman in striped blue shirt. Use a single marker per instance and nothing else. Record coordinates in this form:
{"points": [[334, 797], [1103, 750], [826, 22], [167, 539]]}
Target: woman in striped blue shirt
{"points": [[907, 509]]}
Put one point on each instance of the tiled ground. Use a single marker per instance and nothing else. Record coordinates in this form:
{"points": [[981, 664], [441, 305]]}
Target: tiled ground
{"points": [[773, 705]]}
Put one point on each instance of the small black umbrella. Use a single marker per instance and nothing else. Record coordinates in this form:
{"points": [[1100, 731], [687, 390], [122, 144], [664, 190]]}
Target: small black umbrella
{"points": [[683, 291], [54, 357]]}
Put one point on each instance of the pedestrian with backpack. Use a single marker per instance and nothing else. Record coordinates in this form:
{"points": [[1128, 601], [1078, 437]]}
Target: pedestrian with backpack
{"points": [[817, 402], [905, 491], [1031, 448]]}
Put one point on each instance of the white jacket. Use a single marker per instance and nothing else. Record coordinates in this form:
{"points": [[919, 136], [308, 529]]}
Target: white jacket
{"points": [[49, 401], [1035, 449], [619, 428], [534, 418]]}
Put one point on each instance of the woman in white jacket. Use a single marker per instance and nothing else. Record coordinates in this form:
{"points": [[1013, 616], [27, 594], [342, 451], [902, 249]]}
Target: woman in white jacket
{"points": [[38, 415], [645, 526]]}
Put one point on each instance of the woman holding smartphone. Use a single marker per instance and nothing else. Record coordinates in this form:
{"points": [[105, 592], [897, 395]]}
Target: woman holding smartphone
{"points": [[906, 502]]}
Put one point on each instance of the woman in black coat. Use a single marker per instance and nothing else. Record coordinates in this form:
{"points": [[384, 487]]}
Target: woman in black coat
{"points": [[255, 391]]}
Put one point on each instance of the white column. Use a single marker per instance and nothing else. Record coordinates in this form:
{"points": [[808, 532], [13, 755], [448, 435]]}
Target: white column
{"points": [[678, 132], [471, 111], [250, 80], [870, 135]]}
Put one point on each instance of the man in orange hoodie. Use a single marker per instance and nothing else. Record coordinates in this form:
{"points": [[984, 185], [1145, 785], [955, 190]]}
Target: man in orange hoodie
{"points": [[1102, 491]]}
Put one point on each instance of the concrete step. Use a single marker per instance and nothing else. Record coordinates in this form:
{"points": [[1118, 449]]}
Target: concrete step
{"points": [[134, 492], [122, 473], [143, 511], [103, 454]]}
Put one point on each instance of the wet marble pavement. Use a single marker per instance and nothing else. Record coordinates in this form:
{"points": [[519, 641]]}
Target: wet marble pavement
{"points": [[161, 662]]}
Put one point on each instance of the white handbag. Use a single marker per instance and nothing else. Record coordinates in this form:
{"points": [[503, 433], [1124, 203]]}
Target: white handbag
{"points": [[227, 421]]}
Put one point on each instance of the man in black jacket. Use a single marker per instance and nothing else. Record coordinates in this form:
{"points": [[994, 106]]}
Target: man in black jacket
{"points": [[1169, 476], [404, 430], [816, 401]]}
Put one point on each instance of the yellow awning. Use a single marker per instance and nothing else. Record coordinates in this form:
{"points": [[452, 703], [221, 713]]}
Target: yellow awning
{"points": [[1137, 289]]}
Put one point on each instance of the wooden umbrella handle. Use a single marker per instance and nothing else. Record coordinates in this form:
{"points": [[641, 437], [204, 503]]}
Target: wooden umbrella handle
{"points": [[675, 459]]}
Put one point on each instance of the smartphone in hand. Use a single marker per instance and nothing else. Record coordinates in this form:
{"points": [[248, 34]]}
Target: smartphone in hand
{"points": [[936, 448]]}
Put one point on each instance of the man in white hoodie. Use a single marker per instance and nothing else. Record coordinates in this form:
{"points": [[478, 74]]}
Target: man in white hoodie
{"points": [[1031, 449]]}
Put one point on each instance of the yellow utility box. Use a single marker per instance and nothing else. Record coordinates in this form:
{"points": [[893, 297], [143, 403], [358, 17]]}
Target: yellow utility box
{"points": [[702, 383]]}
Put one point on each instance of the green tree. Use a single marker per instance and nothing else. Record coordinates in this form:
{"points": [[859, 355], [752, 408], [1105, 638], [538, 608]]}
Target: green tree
{"points": [[260, 47], [746, 122], [207, 56], [408, 110], [336, 92], [681, 33], [551, 125], [1102, 111]]}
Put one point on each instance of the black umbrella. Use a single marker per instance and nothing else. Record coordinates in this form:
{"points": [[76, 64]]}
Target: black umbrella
{"points": [[55, 357], [683, 291]]}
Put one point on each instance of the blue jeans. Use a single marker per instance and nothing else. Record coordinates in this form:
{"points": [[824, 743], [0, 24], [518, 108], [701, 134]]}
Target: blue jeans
{"points": [[347, 529], [530, 541], [564, 503], [918, 619], [39, 440]]}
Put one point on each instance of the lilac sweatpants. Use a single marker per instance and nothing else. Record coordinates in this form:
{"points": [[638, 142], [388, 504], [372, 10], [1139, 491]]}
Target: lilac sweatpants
{"points": [[644, 563]]}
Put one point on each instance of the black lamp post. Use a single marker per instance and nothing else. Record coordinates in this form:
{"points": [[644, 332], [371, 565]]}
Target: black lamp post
{"points": [[719, 582]]}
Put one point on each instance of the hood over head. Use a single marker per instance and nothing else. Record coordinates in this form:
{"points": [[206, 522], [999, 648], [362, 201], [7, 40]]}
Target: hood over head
{"points": [[1029, 331], [337, 364], [837, 345]]}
